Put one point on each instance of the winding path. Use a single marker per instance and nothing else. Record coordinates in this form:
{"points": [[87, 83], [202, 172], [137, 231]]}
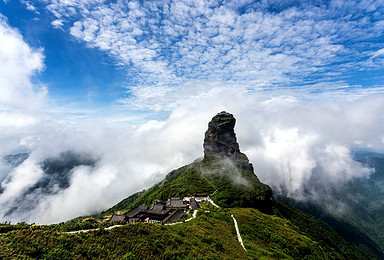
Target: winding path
{"points": [[94, 229], [238, 232], [213, 203]]}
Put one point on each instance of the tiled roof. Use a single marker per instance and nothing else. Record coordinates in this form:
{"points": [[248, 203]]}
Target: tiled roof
{"points": [[175, 216], [158, 209], [134, 212], [116, 217], [176, 203]]}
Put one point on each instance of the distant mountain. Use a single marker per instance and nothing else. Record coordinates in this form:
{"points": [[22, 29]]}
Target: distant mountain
{"points": [[15, 159], [361, 220], [57, 174]]}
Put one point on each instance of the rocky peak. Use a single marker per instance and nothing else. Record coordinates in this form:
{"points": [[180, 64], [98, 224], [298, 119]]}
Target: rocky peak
{"points": [[220, 138]]}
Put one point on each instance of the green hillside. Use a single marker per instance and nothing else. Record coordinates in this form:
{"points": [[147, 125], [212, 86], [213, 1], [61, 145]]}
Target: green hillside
{"points": [[211, 235], [366, 208], [230, 184]]}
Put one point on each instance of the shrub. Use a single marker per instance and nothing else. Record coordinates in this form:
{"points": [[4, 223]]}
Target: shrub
{"points": [[33, 249], [180, 233], [58, 254], [65, 243], [142, 230], [129, 256], [207, 240], [219, 246]]}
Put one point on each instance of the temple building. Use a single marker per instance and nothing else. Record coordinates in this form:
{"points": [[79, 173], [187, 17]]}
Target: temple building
{"points": [[167, 211]]}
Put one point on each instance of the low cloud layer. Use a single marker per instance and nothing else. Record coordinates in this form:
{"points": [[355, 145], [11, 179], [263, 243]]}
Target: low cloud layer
{"points": [[295, 146]]}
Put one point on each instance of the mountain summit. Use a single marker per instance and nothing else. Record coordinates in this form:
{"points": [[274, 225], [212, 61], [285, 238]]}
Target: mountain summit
{"points": [[220, 138], [224, 172], [220, 143]]}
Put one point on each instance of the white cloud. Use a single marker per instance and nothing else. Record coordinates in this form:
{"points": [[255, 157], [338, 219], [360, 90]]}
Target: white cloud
{"points": [[19, 63], [21, 100], [57, 23], [30, 6], [168, 43], [378, 53], [21, 178]]}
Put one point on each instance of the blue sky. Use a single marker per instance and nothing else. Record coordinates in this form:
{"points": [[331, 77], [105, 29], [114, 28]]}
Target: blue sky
{"points": [[128, 54], [72, 72]]}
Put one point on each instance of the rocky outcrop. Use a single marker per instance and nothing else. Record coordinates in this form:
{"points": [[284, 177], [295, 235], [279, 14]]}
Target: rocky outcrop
{"points": [[229, 170], [220, 138]]}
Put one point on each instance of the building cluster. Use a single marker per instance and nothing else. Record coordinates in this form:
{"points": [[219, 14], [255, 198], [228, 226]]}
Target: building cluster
{"points": [[171, 210]]}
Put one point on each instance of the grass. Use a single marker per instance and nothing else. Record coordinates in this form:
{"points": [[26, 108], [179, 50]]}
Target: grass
{"points": [[204, 237], [211, 235]]}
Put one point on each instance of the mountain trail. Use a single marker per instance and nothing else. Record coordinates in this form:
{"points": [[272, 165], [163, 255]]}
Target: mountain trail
{"points": [[94, 229], [238, 232]]}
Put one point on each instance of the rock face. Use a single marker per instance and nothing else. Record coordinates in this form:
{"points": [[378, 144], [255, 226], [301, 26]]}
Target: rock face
{"points": [[220, 138]]}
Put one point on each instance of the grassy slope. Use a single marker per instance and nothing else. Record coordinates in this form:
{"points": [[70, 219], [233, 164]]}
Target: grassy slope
{"points": [[271, 237], [236, 186], [241, 189], [210, 236], [236, 183], [178, 183]]}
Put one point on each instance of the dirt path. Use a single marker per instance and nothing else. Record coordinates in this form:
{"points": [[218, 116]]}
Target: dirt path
{"points": [[213, 203], [88, 230], [193, 215], [238, 232]]}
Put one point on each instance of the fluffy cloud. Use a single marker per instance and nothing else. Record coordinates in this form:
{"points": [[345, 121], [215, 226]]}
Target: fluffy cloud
{"points": [[19, 63], [21, 100], [166, 43]]}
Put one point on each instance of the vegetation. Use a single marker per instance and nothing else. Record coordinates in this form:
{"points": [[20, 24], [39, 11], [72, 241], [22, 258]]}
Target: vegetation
{"points": [[202, 238], [271, 237], [365, 208], [211, 235], [270, 229], [236, 184], [178, 183], [232, 183]]}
